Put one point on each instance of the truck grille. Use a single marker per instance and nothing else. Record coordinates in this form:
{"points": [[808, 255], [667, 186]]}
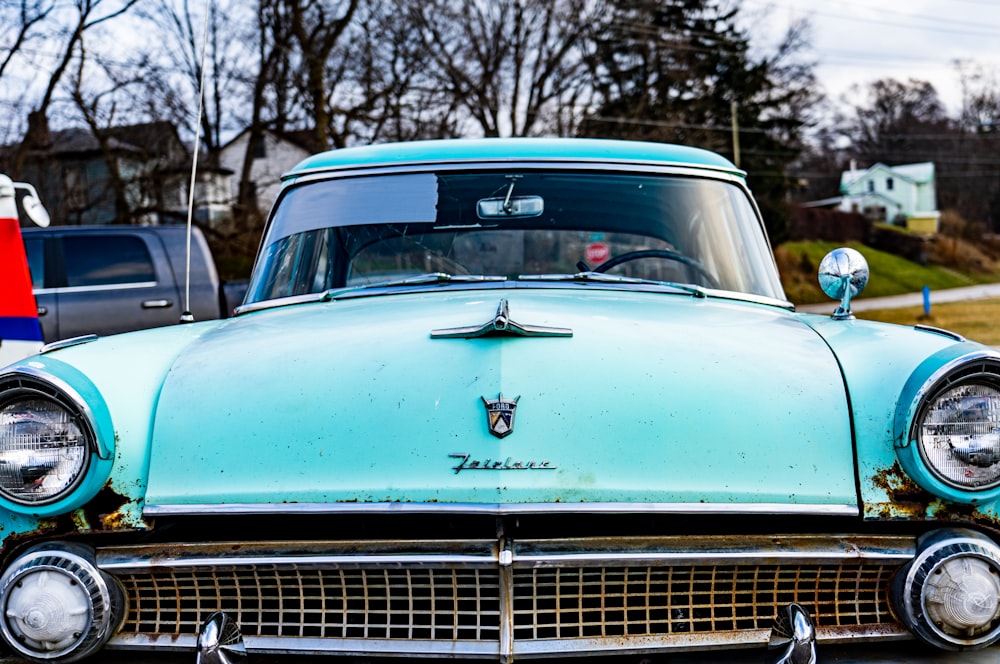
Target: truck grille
{"points": [[495, 599]]}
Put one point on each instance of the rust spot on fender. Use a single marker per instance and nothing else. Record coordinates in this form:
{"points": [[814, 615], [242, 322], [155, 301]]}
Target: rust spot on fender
{"points": [[906, 499], [107, 510], [910, 502], [104, 512]]}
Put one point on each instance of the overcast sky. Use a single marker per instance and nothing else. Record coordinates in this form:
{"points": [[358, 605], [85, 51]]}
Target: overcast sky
{"points": [[859, 41]]}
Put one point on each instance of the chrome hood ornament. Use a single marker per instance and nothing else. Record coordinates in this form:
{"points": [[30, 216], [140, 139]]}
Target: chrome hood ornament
{"points": [[501, 325], [500, 415]]}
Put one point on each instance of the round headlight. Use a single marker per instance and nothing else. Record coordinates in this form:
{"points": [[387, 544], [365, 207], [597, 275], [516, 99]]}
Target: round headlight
{"points": [[44, 448], [958, 435]]}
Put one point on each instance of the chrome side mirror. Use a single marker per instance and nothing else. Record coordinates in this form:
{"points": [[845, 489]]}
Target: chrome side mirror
{"points": [[843, 274], [32, 206]]}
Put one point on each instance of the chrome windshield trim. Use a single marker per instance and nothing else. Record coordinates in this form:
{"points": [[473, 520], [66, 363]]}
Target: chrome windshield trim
{"points": [[237, 509], [592, 164], [377, 291]]}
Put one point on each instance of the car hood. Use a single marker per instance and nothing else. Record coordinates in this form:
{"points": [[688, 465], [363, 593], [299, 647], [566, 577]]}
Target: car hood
{"points": [[655, 398]]}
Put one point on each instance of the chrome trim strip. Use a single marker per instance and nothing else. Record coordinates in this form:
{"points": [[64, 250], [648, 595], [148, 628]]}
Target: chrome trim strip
{"points": [[67, 343], [249, 509], [115, 564], [95, 287], [713, 557], [491, 649], [33, 372], [652, 551], [687, 643], [315, 646]]}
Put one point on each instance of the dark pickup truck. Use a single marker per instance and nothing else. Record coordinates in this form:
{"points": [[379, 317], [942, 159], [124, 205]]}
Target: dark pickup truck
{"points": [[109, 279]]}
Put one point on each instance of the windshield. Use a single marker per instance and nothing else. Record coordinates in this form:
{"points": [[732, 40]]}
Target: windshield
{"points": [[512, 224]]}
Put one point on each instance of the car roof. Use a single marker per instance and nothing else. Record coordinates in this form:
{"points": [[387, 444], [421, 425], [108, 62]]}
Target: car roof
{"points": [[514, 149]]}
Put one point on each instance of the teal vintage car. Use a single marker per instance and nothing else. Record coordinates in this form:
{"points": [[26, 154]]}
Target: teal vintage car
{"points": [[500, 400]]}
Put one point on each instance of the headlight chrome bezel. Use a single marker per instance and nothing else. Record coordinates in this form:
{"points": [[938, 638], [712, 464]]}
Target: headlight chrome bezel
{"points": [[24, 384], [980, 369]]}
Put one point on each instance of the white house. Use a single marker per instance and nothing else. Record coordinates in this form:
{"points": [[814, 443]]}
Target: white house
{"points": [[274, 155], [893, 194]]}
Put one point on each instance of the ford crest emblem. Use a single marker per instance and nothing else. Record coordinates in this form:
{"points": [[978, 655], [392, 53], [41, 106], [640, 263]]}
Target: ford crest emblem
{"points": [[500, 415]]}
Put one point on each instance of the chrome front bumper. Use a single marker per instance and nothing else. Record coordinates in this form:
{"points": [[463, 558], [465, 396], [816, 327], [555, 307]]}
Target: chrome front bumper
{"points": [[504, 600]]}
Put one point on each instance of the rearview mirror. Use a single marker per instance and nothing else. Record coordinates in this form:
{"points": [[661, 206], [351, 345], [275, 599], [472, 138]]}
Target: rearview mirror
{"points": [[510, 207]]}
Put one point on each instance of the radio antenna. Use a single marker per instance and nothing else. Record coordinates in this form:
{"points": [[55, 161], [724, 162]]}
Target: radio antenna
{"points": [[186, 315]]}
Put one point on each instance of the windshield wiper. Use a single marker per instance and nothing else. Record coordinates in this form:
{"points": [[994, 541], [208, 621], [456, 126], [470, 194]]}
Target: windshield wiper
{"points": [[602, 277], [418, 280]]}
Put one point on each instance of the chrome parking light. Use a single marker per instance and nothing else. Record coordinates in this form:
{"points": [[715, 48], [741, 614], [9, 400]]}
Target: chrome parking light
{"points": [[55, 605], [949, 595]]}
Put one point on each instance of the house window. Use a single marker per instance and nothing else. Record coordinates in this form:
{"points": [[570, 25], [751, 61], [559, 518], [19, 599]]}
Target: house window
{"points": [[259, 148], [888, 184], [871, 186], [75, 187]]}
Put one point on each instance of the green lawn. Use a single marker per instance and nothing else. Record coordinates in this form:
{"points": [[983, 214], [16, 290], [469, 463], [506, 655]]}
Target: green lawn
{"points": [[889, 273], [974, 319]]}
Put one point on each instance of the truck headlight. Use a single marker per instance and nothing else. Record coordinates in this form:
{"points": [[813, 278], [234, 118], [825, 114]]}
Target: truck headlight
{"points": [[45, 444]]}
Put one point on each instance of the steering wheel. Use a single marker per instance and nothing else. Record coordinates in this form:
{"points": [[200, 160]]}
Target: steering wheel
{"points": [[667, 254]]}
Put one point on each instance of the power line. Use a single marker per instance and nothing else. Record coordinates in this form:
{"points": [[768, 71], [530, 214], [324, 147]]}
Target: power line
{"points": [[975, 29]]}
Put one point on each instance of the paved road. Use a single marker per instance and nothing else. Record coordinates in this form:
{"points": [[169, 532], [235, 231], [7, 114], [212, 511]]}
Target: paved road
{"points": [[980, 292]]}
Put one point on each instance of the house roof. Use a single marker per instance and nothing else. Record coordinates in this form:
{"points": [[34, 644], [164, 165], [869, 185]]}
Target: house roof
{"points": [[921, 173], [152, 137], [302, 138]]}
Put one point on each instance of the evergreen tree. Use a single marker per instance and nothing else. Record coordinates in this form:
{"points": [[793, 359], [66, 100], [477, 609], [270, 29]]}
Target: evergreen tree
{"points": [[678, 70]]}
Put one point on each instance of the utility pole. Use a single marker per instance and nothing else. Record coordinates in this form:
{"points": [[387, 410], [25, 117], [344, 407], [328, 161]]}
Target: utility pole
{"points": [[736, 133]]}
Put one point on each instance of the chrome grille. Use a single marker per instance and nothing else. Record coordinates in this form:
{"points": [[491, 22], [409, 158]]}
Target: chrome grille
{"points": [[607, 602], [427, 604], [490, 599]]}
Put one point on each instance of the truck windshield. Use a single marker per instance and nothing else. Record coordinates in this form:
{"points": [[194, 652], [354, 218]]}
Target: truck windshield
{"points": [[344, 232]]}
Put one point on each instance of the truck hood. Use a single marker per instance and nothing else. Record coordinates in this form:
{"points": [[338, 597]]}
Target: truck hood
{"points": [[655, 398]]}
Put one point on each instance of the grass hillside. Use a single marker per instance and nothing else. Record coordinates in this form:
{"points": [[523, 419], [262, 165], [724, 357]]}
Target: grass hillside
{"points": [[952, 263]]}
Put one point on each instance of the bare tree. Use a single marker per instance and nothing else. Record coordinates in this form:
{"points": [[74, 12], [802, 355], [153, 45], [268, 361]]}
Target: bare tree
{"points": [[177, 77], [515, 66], [89, 105], [318, 26], [86, 15], [22, 17]]}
